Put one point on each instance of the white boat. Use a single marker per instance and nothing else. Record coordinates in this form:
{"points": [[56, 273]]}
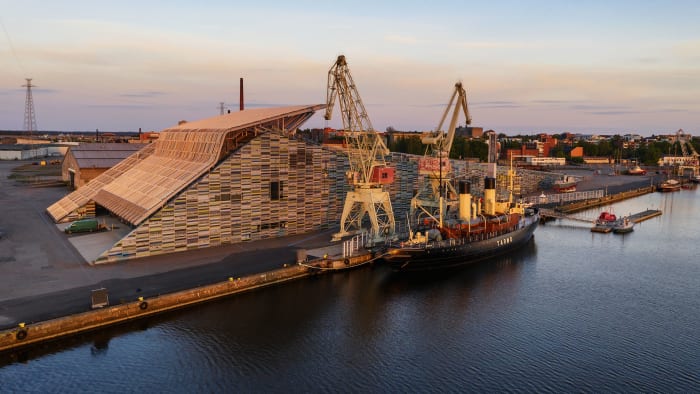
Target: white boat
{"points": [[670, 185], [624, 225]]}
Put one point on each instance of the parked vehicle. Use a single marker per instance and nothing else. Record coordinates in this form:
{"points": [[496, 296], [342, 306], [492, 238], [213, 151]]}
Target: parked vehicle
{"points": [[637, 170], [83, 226]]}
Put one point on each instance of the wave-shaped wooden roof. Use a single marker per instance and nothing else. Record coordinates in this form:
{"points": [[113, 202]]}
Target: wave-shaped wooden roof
{"points": [[144, 182]]}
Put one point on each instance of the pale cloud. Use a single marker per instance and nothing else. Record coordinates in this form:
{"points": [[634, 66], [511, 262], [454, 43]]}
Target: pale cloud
{"points": [[492, 45], [150, 94], [179, 64], [687, 51], [403, 39]]}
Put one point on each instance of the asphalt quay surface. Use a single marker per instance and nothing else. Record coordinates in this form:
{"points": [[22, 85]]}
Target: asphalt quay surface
{"points": [[44, 273]]}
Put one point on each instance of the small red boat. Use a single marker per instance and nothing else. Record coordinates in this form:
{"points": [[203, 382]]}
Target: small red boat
{"points": [[606, 218], [605, 223]]}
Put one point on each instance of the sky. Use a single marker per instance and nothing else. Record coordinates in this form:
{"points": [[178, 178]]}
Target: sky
{"points": [[594, 67]]}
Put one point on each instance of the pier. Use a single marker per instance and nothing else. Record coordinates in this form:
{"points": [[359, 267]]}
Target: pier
{"points": [[567, 211], [599, 228], [646, 215], [605, 200], [635, 218]]}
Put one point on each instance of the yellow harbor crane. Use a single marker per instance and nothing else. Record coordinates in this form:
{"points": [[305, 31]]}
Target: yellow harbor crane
{"points": [[437, 192], [366, 153]]}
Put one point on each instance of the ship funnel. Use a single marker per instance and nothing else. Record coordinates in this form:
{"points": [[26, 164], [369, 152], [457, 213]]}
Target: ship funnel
{"points": [[490, 195], [465, 201]]}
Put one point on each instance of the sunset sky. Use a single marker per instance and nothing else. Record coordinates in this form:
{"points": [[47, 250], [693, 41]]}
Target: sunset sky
{"points": [[528, 66]]}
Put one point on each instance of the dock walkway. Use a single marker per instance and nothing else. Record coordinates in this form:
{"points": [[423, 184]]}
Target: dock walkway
{"points": [[636, 218], [646, 215], [609, 199]]}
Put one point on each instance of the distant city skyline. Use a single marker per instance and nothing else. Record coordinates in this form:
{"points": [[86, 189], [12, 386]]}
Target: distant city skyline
{"points": [[595, 68]]}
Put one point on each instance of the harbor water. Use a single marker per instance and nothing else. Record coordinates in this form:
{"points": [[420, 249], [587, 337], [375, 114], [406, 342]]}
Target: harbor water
{"points": [[573, 311]]}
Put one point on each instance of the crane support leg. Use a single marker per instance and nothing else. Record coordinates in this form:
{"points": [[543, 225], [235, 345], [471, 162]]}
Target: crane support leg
{"points": [[372, 203]]}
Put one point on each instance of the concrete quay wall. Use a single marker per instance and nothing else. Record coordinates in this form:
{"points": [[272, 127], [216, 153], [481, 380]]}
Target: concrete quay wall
{"points": [[114, 314]]}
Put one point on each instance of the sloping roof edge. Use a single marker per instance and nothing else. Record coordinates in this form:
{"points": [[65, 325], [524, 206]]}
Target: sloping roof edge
{"points": [[180, 156]]}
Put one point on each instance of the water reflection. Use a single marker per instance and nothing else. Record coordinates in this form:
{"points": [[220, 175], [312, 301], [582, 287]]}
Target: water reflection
{"points": [[565, 313], [100, 345]]}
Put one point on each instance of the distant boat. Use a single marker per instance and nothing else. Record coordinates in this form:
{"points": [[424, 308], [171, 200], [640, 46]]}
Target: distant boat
{"points": [[565, 184], [606, 218], [670, 185], [624, 225], [605, 223]]}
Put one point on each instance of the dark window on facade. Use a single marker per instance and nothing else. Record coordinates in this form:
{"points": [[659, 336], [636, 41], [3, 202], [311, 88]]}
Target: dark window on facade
{"points": [[272, 226], [276, 190]]}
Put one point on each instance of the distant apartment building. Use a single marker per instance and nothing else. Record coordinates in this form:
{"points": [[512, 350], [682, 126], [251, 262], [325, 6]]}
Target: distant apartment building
{"points": [[545, 161], [576, 152], [597, 160], [529, 149], [677, 161]]}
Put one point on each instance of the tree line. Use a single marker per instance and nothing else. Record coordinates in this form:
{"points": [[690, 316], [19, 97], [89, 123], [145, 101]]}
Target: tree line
{"points": [[462, 148], [647, 152]]}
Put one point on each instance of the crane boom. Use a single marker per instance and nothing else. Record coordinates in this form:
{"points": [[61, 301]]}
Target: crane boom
{"points": [[366, 154], [437, 191], [439, 140]]}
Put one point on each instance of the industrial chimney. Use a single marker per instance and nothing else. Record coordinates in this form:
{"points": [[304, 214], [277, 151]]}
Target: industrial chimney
{"points": [[241, 98]]}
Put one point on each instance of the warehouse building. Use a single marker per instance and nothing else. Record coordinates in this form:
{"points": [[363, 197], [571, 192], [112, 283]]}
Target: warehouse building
{"points": [[232, 178], [87, 161]]}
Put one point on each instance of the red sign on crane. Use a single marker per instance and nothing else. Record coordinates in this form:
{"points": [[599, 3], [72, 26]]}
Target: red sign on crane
{"points": [[382, 175], [431, 165]]}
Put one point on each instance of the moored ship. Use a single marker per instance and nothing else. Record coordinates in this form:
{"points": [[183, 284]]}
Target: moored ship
{"points": [[669, 185], [476, 234], [449, 228], [566, 184]]}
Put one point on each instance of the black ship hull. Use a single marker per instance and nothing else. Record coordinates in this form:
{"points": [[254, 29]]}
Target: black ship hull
{"points": [[453, 253]]}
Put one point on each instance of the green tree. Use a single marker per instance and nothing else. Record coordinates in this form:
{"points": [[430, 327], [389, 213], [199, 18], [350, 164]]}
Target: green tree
{"points": [[463, 148], [557, 151], [411, 145], [589, 149], [605, 148]]}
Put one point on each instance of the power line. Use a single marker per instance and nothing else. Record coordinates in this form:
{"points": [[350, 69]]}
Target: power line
{"points": [[12, 48]]}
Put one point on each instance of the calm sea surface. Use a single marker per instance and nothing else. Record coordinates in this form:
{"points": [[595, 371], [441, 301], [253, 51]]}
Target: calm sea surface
{"points": [[574, 311]]}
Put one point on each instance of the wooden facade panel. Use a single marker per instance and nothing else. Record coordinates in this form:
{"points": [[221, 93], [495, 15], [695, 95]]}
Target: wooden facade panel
{"points": [[199, 218]]}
